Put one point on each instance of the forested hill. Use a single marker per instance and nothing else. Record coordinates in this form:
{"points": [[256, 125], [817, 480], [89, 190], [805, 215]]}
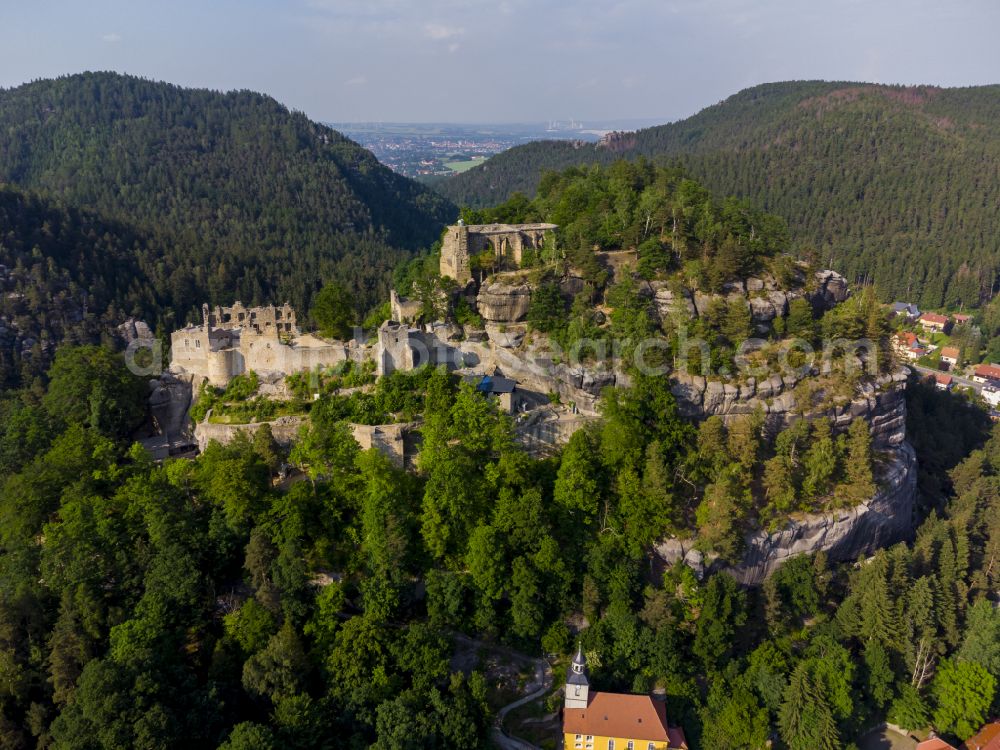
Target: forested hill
{"points": [[249, 200], [900, 184], [68, 276]]}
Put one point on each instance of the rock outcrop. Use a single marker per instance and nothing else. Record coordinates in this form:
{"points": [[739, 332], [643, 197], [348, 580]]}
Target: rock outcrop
{"points": [[845, 534], [538, 370], [881, 403], [169, 400], [764, 297], [504, 303]]}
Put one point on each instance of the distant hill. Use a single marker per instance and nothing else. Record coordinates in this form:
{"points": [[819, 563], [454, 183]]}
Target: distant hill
{"points": [[246, 199], [900, 185]]}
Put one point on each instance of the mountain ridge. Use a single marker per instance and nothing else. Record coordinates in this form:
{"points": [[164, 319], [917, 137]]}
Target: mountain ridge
{"points": [[233, 181], [865, 174]]}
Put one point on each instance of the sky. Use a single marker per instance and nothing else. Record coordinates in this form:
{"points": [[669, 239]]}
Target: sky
{"points": [[502, 60]]}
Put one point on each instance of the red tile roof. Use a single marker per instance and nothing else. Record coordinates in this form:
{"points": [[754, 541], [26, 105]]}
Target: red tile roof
{"points": [[933, 318], [988, 371], [905, 337], [634, 717], [949, 351], [988, 738], [935, 743], [943, 379], [961, 318]]}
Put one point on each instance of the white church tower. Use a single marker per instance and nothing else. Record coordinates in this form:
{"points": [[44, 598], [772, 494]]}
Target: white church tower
{"points": [[577, 684]]}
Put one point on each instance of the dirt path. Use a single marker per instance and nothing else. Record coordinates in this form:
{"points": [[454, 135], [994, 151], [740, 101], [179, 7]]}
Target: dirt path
{"points": [[536, 688], [539, 684]]}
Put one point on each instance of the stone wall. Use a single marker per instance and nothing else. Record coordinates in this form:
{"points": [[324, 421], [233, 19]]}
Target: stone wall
{"points": [[267, 353], [395, 441], [507, 241], [844, 534], [220, 355], [284, 429], [259, 319], [401, 347], [403, 310], [541, 432]]}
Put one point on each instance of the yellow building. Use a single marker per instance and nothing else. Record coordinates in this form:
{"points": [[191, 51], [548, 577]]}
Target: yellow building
{"points": [[613, 721]]}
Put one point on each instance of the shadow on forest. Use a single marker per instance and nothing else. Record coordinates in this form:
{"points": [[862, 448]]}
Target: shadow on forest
{"points": [[943, 428]]}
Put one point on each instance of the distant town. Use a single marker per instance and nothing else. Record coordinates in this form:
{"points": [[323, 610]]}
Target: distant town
{"points": [[444, 149]]}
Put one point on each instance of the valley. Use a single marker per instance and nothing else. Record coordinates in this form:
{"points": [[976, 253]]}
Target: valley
{"points": [[602, 445]]}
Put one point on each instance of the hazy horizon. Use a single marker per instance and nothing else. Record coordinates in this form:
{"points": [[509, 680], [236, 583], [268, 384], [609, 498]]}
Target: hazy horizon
{"points": [[506, 62]]}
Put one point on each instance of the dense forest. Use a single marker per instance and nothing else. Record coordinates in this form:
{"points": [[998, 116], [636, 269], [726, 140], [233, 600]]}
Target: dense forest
{"points": [[202, 603], [674, 223], [256, 598], [67, 276], [245, 198], [889, 184]]}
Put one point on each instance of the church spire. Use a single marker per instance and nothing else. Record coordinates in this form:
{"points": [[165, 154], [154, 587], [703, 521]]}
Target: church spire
{"points": [[577, 681], [579, 665]]}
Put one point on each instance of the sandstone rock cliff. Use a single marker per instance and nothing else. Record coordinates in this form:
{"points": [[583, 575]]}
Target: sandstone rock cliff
{"points": [[503, 303], [845, 534], [763, 296], [881, 403]]}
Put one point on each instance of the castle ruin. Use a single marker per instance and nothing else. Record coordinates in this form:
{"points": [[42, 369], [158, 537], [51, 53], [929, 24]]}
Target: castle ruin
{"points": [[233, 340], [507, 241]]}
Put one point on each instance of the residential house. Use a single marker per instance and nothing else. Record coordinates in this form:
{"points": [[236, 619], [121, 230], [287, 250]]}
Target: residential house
{"points": [[906, 309], [613, 721], [934, 322], [942, 382], [935, 743], [961, 319], [905, 345], [991, 395], [986, 373], [988, 738], [950, 355]]}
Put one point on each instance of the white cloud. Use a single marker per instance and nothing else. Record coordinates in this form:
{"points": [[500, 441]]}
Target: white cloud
{"points": [[112, 38], [356, 81], [441, 32]]}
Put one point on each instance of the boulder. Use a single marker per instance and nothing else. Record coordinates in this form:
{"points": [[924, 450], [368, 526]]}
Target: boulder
{"points": [[734, 287], [506, 336], [714, 398], [671, 305], [779, 301], [703, 301], [762, 310], [688, 390], [831, 288], [474, 334], [503, 303]]}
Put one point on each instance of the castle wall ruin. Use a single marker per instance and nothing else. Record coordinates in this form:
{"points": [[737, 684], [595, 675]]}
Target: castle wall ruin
{"points": [[508, 242], [233, 340]]}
